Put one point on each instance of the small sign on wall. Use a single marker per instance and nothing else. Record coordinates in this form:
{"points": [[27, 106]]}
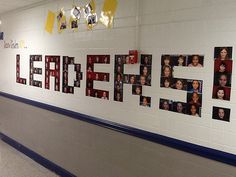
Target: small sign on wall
{"points": [[1, 35]]}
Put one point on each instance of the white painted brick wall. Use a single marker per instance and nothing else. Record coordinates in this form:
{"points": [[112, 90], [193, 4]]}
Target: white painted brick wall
{"points": [[152, 26]]}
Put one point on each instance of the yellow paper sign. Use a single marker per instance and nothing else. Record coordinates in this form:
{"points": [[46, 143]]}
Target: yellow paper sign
{"points": [[108, 12], [50, 22]]}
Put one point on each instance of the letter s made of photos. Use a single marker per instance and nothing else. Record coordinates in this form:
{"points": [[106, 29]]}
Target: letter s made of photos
{"points": [[193, 87]]}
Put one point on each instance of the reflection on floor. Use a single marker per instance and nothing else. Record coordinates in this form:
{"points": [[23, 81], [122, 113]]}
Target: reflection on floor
{"points": [[15, 164]]}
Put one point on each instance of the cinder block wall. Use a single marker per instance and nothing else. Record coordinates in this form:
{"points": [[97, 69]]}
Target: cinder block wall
{"points": [[152, 27]]}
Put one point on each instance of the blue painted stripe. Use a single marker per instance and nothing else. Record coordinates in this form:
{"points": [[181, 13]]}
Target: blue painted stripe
{"points": [[160, 139], [36, 157]]}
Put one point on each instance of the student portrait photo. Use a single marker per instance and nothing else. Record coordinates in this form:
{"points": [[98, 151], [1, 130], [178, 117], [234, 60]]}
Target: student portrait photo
{"points": [[194, 98], [221, 93], [145, 101], [104, 95], [146, 60], [166, 82], [118, 96], [132, 79], [137, 90], [166, 71], [223, 67], [195, 61], [146, 71], [126, 79], [180, 60], [166, 104], [222, 80], [194, 86], [194, 110], [223, 53], [179, 107], [166, 60], [180, 84], [142, 80], [220, 113]]}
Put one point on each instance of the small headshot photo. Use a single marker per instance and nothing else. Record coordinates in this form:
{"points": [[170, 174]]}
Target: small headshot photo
{"points": [[166, 105], [104, 95], [119, 60], [70, 90], [194, 110], [222, 80], [166, 71], [118, 96], [145, 101], [126, 79], [79, 76], [195, 61], [136, 90], [90, 60], [98, 59], [220, 113], [194, 98], [89, 84], [221, 93], [146, 72], [166, 82], [106, 59], [166, 60], [180, 60], [127, 59], [223, 67], [96, 94], [180, 84], [142, 80], [132, 79], [118, 78], [179, 107], [146, 60], [223, 53], [118, 87], [76, 83], [89, 92], [77, 67], [119, 69], [194, 86]]}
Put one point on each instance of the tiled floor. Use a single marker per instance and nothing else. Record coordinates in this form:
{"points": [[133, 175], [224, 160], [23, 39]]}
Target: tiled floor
{"points": [[15, 164]]}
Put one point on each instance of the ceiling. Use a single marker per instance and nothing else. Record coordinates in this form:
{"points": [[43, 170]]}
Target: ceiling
{"points": [[10, 5]]}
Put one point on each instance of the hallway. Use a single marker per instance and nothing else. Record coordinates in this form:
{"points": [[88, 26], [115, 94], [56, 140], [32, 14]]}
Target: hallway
{"points": [[15, 164]]}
